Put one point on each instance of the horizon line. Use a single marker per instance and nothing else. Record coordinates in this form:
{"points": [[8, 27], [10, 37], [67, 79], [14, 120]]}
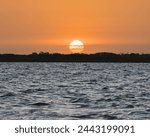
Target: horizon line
{"points": [[42, 52]]}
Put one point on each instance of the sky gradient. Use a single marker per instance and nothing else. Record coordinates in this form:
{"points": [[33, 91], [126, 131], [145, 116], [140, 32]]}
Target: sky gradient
{"points": [[118, 26]]}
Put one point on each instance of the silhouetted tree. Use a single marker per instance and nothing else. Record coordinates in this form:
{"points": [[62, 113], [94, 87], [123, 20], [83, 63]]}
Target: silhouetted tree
{"points": [[57, 57]]}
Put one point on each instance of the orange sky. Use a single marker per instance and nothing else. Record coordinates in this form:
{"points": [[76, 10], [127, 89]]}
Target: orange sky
{"points": [[50, 25]]}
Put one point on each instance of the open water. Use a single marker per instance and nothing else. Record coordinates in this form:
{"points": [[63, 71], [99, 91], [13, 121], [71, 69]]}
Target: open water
{"points": [[74, 91]]}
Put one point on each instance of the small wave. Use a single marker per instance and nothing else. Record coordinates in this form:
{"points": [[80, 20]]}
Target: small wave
{"points": [[123, 97], [85, 116], [105, 100], [28, 91], [77, 73], [92, 81], [105, 88], [140, 112], [118, 98], [2, 87], [41, 89], [40, 104], [62, 86], [101, 100], [84, 106], [145, 94], [110, 117], [33, 110], [120, 88], [10, 94], [148, 110], [129, 106], [33, 90], [80, 100], [114, 104], [129, 96]]}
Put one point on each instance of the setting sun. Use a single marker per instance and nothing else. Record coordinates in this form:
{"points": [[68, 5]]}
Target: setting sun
{"points": [[76, 46]]}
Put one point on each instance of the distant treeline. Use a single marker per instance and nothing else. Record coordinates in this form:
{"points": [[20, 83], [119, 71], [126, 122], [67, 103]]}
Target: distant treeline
{"points": [[56, 57]]}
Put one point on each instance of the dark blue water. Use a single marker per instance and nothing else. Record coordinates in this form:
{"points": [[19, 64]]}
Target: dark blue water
{"points": [[74, 91]]}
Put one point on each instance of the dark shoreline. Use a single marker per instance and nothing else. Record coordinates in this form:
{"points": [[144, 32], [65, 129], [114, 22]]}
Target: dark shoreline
{"points": [[103, 57]]}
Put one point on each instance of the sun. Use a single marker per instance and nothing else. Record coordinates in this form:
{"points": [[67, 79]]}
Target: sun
{"points": [[76, 46]]}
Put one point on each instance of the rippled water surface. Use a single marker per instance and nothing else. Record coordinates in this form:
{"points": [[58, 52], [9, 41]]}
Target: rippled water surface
{"points": [[74, 91]]}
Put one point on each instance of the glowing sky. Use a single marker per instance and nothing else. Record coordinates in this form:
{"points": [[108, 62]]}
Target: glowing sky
{"points": [[50, 25]]}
